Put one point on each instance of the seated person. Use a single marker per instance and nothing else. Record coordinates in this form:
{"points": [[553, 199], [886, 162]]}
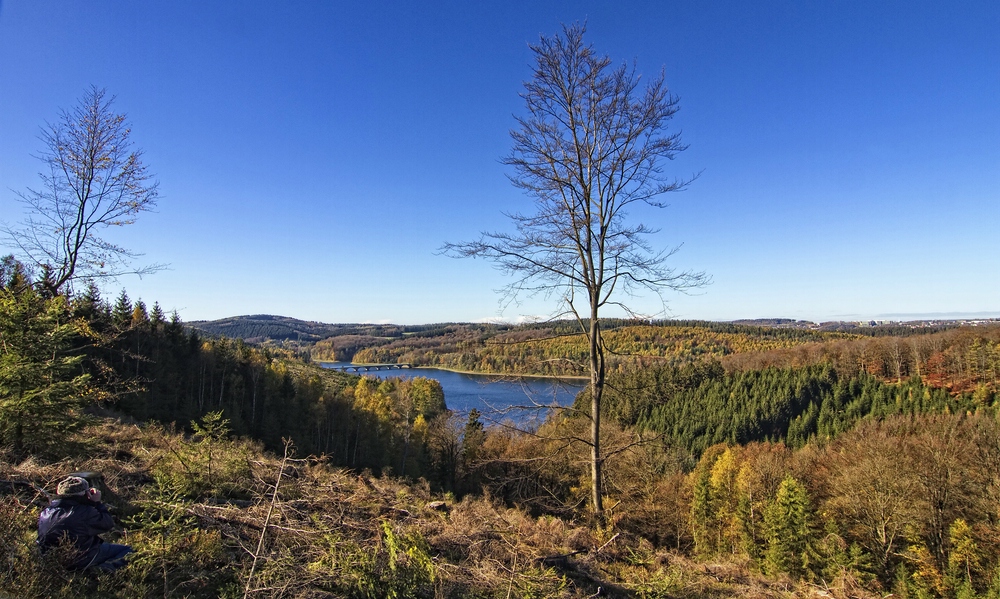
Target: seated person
{"points": [[79, 516]]}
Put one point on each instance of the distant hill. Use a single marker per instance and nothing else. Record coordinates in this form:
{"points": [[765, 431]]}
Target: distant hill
{"points": [[259, 328], [468, 344]]}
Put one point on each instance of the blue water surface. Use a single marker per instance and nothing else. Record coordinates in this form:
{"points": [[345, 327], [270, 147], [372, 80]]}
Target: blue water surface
{"points": [[497, 398]]}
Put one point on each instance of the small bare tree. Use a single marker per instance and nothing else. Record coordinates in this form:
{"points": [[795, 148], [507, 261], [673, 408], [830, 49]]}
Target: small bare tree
{"points": [[591, 145], [93, 179]]}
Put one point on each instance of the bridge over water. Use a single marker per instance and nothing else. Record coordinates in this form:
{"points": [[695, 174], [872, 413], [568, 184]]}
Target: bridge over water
{"points": [[370, 367]]}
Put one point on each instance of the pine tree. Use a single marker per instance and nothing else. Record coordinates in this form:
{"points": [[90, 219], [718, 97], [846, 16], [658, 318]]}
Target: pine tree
{"points": [[89, 304], [121, 313], [787, 526], [701, 513], [42, 388], [157, 317]]}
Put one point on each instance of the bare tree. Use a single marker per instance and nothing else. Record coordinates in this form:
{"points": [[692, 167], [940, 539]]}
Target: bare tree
{"points": [[591, 145], [93, 179]]}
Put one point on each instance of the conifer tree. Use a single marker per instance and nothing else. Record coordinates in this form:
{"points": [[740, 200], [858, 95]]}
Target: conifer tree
{"points": [[156, 316], [786, 522], [89, 305], [704, 524], [42, 387], [121, 312]]}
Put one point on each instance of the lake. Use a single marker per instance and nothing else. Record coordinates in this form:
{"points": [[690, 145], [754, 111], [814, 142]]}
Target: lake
{"points": [[493, 396]]}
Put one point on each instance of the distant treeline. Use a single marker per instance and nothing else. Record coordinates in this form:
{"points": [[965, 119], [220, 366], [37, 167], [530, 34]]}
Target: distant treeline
{"points": [[346, 347], [902, 329], [560, 350], [339, 342], [887, 330]]}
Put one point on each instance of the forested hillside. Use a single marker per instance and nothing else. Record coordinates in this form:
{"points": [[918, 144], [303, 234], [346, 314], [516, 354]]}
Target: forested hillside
{"points": [[265, 327], [65, 357], [961, 359], [700, 405], [906, 505], [326, 341], [262, 328], [741, 460], [457, 345], [956, 358], [558, 349]]}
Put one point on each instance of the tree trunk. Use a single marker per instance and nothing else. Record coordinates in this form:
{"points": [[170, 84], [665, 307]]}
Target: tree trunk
{"points": [[253, 405], [596, 391], [916, 356], [222, 385], [357, 440], [201, 390], [406, 451], [19, 438], [406, 442]]}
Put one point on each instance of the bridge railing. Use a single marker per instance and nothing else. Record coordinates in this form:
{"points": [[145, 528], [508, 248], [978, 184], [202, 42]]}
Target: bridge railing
{"points": [[370, 367]]}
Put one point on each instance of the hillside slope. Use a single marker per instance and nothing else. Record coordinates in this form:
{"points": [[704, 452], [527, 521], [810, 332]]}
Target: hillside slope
{"points": [[202, 511], [257, 328]]}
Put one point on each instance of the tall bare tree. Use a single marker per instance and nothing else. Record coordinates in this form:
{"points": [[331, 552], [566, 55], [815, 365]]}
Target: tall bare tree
{"points": [[93, 179], [591, 145]]}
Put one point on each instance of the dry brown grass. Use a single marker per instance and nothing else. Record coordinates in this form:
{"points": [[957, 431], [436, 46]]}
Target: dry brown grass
{"points": [[334, 533]]}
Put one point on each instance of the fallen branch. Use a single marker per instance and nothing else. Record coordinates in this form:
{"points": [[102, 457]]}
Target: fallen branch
{"points": [[611, 540], [267, 519]]}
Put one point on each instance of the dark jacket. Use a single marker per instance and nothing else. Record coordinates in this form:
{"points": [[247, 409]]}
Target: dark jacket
{"points": [[80, 520]]}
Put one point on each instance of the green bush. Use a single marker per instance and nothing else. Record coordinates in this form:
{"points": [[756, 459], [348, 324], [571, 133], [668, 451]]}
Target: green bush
{"points": [[209, 464]]}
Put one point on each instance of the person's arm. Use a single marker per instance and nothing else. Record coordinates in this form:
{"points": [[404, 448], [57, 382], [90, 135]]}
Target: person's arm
{"points": [[99, 519]]}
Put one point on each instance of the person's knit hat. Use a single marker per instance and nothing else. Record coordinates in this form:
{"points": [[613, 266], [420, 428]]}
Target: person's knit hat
{"points": [[72, 486]]}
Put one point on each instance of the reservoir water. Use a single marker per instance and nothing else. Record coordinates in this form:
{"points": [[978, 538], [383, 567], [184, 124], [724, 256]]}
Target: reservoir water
{"points": [[495, 397]]}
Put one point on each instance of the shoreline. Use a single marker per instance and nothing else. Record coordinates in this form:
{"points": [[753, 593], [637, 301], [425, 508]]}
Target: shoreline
{"points": [[506, 376], [474, 373]]}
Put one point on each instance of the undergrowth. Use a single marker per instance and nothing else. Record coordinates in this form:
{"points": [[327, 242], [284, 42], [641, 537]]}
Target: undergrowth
{"points": [[194, 508]]}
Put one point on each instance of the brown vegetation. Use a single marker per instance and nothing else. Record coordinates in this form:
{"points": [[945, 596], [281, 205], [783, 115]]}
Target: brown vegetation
{"points": [[196, 522], [962, 360]]}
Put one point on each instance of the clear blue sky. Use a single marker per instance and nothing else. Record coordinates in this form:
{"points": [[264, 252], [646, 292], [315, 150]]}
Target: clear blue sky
{"points": [[312, 156]]}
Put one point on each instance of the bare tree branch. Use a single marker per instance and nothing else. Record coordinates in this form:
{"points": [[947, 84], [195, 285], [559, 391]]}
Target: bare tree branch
{"points": [[592, 143], [94, 179]]}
